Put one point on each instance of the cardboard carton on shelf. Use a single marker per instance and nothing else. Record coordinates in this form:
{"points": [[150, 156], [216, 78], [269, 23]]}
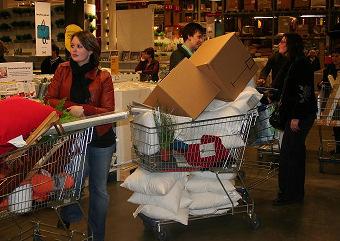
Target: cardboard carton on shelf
{"points": [[284, 4], [184, 91], [226, 62]]}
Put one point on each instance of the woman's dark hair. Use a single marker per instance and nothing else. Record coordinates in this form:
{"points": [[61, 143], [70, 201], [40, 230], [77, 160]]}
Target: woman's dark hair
{"points": [[190, 29], [90, 43], [3, 49], [294, 43], [56, 49], [150, 51]]}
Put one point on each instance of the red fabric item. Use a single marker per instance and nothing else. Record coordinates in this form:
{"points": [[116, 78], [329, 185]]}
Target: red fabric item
{"points": [[19, 116], [207, 154], [42, 185]]}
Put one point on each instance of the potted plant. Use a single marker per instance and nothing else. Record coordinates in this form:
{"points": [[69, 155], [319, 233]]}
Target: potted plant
{"points": [[92, 28], [166, 133]]}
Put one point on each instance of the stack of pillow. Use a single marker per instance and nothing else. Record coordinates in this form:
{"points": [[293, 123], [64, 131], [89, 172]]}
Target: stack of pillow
{"points": [[175, 195]]}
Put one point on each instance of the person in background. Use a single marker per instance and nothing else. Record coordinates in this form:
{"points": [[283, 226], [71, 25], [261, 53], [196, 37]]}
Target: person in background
{"points": [[51, 63], [87, 91], [148, 65], [3, 50], [276, 63], [192, 34], [299, 108], [314, 60]]}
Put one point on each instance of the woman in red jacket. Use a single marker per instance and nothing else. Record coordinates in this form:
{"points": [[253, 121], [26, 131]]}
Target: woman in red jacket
{"points": [[88, 90]]}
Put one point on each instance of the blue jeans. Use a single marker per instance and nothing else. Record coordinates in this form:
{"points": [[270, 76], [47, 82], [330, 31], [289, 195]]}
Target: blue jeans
{"points": [[97, 166]]}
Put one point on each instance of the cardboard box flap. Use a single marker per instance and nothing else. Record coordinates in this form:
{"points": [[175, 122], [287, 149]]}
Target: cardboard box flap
{"points": [[185, 91], [209, 49], [226, 62]]}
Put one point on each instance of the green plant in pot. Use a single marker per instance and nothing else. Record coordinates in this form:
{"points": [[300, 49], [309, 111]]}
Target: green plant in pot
{"points": [[166, 132]]}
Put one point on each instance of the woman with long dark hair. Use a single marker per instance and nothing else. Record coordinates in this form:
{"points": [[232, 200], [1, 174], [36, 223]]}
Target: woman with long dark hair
{"points": [[87, 90], [299, 109]]}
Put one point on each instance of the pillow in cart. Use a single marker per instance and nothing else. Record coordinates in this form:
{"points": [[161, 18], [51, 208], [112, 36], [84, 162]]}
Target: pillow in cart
{"points": [[19, 116]]}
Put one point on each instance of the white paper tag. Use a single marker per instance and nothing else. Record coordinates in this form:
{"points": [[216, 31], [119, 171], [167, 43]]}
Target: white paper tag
{"points": [[18, 141], [207, 150]]}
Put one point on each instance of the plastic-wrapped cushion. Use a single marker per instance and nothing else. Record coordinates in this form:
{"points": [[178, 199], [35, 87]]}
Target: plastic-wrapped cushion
{"points": [[212, 200], [200, 185], [19, 116]]}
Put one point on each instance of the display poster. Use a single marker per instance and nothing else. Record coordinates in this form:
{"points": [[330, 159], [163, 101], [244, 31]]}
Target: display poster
{"points": [[16, 78], [43, 29]]}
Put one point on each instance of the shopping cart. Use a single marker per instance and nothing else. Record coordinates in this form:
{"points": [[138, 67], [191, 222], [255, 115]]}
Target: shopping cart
{"points": [[266, 140], [328, 118], [172, 147], [42, 174]]}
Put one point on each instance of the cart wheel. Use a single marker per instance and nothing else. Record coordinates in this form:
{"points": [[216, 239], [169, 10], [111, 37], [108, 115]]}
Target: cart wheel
{"points": [[161, 236], [255, 222], [36, 237], [147, 226]]}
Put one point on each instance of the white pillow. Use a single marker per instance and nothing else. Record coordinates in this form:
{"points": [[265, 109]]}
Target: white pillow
{"points": [[212, 200], [218, 210], [159, 213], [247, 99], [151, 183], [209, 174], [199, 185], [170, 201], [185, 200], [145, 136]]}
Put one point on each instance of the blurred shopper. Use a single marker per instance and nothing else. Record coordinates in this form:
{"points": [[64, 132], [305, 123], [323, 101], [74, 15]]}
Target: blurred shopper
{"points": [[314, 60], [299, 108], [3, 51], [148, 65], [51, 63], [192, 34], [275, 64], [87, 90]]}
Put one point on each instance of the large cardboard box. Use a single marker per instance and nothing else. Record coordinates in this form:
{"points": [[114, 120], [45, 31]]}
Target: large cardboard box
{"points": [[184, 91], [226, 62], [264, 5], [284, 24], [284, 4]]}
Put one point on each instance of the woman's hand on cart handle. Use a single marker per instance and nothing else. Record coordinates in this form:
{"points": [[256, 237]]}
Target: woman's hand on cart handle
{"points": [[260, 82], [294, 125], [76, 110]]}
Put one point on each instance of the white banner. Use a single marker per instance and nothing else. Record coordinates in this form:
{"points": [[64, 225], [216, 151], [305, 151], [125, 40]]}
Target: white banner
{"points": [[43, 29]]}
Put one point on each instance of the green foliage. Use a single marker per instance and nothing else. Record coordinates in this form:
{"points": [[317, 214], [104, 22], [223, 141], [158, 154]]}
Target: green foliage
{"points": [[4, 14], [6, 39], [60, 23], [22, 24], [65, 116], [165, 128], [23, 37], [92, 28], [60, 37], [5, 27], [23, 11], [59, 9], [90, 17]]}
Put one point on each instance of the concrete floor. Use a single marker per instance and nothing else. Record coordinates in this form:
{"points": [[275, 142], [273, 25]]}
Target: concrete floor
{"points": [[316, 219]]}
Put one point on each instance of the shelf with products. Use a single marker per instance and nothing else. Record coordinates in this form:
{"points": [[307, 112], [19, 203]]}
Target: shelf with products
{"points": [[259, 28]]}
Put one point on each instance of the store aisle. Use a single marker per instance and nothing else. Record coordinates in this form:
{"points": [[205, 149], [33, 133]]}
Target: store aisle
{"points": [[315, 219]]}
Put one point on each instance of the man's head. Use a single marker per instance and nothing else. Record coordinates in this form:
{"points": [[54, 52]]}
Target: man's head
{"points": [[312, 53], [192, 34]]}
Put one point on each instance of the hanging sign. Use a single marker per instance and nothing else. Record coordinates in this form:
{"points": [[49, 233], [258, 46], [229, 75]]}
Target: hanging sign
{"points": [[43, 29]]}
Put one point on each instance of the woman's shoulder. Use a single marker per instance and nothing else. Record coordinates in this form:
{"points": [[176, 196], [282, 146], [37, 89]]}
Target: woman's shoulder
{"points": [[65, 64]]}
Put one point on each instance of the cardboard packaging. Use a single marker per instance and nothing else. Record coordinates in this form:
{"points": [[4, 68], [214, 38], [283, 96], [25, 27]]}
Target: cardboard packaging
{"points": [[233, 5], [249, 5], [304, 4], [284, 4], [318, 4], [264, 5], [185, 91], [284, 24], [226, 62]]}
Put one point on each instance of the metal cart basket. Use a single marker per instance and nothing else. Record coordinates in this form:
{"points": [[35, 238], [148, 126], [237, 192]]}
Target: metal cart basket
{"points": [[328, 118], [43, 175], [209, 145]]}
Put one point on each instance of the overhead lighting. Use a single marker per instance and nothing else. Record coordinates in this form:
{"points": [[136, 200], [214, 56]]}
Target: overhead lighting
{"points": [[313, 16], [261, 17]]}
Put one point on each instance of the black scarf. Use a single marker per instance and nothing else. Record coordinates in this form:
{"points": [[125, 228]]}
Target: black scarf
{"points": [[80, 93]]}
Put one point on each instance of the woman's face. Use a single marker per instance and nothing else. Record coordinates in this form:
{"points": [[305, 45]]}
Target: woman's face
{"points": [[283, 46], [78, 52]]}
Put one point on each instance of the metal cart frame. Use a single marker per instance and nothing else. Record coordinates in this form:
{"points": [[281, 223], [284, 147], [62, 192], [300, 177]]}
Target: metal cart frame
{"points": [[156, 150]]}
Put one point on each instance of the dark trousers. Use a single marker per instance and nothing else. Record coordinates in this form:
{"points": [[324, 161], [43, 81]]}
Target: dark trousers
{"points": [[292, 160]]}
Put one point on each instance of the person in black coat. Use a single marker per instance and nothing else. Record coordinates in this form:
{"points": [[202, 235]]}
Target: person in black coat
{"points": [[51, 63], [3, 50], [193, 38], [314, 60], [299, 107]]}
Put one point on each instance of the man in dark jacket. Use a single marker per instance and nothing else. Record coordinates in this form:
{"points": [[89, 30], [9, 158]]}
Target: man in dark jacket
{"points": [[50, 64], [193, 38]]}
